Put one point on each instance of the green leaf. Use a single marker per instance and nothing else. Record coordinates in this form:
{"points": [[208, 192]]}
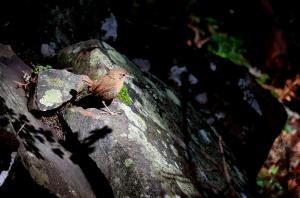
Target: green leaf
{"points": [[228, 47], [260, 183], [274, 170], [263, 78], [37, 69], [288, 128]]}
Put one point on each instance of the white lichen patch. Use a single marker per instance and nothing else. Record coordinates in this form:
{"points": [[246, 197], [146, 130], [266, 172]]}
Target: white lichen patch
{"points": [[159, 165], [173, 97], [135, 119], [51, 97], [128, 162], [204, 135]]}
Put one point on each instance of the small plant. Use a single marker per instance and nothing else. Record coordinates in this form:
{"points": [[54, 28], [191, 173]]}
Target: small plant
{"points": [[124, 97], [228, 47], [221, 44], [37, 69], [263, 78], [268, 181], [288, 128]]}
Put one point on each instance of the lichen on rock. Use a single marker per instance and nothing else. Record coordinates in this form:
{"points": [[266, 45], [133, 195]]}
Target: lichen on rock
{"points": [[54, 88], [51, 97]]}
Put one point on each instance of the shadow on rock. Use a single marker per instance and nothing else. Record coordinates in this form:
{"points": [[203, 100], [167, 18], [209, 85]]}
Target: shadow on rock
{"points": [[91, 101], [80, 150]]}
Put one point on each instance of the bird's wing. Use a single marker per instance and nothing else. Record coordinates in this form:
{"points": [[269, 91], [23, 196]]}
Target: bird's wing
{"points": [[105, 88]]}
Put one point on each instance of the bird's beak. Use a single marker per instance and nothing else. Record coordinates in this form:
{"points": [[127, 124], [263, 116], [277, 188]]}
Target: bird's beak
{"points": [[128, 76]]}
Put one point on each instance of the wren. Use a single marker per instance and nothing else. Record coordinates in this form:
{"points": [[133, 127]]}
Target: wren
{"points": [[107, 87]]}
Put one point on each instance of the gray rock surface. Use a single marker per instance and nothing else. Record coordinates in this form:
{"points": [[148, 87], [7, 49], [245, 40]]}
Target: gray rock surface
{"points": [[54, 88], [160, 146], [46, 161], [150, 145]]}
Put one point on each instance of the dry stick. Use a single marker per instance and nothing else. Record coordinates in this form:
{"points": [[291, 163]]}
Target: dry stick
{"points": [[21, 128], [227, 176]]}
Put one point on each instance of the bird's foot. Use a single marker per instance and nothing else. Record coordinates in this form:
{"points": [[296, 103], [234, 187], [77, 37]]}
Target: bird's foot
{"points": [[111, 112], [107, 110]]}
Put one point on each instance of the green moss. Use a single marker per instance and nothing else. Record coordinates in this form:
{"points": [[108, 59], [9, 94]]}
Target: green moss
{"points": [[124, 97], [37, 69]]}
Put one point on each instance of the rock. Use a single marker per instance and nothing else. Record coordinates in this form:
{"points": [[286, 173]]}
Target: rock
{"points": [[54, 88], [162, 145], [135, 166], [8, 147], [122, 159], [151, 144], [48, 166], [247, 116], [92, 58]]}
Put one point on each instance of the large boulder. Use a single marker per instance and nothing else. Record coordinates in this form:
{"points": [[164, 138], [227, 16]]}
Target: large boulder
{"points": [[162, 144], [48, 167]]}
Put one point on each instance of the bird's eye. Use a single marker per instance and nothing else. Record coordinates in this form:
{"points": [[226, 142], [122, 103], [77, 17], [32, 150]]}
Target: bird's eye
{"points": [[123, 74]]}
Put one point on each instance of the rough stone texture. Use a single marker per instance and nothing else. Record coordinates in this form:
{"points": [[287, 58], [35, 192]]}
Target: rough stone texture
{"points": [[9, 144], [92, 58], [54, 88], [248, 117], [150, 143], [162, 145], [46, 162]]}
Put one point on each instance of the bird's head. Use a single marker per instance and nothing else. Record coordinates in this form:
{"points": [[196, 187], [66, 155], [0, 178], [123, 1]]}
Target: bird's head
{"points": [[119, 74]]}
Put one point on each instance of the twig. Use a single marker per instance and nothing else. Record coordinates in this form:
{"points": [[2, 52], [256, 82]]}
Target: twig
{"points": [[21, 128]]}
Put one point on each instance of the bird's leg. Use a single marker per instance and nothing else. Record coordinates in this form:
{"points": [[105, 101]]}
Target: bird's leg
{"points": [[108, 110]]}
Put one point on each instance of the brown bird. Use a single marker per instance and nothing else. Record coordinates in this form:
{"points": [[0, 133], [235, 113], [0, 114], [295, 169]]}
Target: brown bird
{"points": [[108, 87]]}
